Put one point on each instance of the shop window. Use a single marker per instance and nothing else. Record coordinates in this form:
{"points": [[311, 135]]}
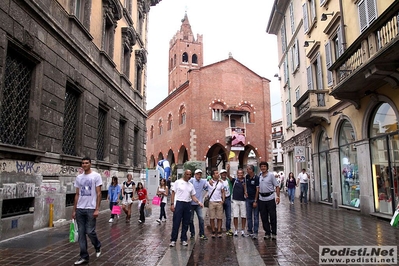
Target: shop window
{"points": [[350, 181], [325, 168]]}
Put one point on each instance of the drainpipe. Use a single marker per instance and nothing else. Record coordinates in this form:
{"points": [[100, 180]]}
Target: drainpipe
{"points": [[342, 26]]}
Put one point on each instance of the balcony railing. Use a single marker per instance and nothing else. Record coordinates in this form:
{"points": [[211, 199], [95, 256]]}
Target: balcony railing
{"points": [[373, 53], [230, 131], [311, 108]]}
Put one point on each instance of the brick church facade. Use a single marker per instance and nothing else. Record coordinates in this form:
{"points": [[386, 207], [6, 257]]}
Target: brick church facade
{"points": [[214, 113]]}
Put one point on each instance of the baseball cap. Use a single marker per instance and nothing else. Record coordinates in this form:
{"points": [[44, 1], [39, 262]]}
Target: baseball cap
{"points": [[198, 171], [223, 171]]}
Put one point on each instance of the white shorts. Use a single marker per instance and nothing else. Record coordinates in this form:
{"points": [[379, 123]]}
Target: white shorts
{"points": [[239, 206]]}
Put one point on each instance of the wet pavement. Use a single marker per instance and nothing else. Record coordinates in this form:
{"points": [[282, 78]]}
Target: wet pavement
{"points": [[301, 230]]}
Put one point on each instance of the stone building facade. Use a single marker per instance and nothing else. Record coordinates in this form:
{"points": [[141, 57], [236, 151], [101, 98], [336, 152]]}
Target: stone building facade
{"points": [[72, 84], [339, 80], [218, 113]]}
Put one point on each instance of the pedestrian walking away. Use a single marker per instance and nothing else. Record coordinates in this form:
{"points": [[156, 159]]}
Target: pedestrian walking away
{"points": [[269, 197], [238, 202], [162, 192], [142, 196], [216, 200], [183, 192], [128, 189], [291, 185], [200, 186], [303, 180], [114, 192], [226, 179], [252, 195], [86, 209]]}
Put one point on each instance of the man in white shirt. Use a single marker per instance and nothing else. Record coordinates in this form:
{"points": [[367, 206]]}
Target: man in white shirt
{"points": [[217, 198], [303, 180], [183, 192]]}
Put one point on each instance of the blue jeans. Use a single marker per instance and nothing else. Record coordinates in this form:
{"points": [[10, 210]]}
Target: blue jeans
{"points": [[86, 225], [291, 194], [304, 192], [227, 212], [182, 214], [197, 209], [162, 213], [253, 224], [111, 204]]}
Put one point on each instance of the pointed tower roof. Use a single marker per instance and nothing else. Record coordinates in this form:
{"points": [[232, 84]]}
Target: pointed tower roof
{"points": [[185, 28]]}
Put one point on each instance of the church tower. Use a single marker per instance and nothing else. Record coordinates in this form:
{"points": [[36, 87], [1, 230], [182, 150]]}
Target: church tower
{"points": [[185, 53]]}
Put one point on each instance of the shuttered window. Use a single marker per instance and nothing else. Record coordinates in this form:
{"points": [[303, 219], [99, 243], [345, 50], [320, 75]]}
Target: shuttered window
{"points": [[309, 77], [292, 18], [367, 13], [305, 18], [327, 48]]}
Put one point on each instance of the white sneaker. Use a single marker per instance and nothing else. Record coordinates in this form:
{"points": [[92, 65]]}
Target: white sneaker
{"points": [[111, 220], [172, 244], [235, 233], [158, 221], [184, 243], [164, 220]]}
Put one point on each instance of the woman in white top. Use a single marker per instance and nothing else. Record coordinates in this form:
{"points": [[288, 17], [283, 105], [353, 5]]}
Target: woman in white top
{"points": [[162, 192], [128, 188]]}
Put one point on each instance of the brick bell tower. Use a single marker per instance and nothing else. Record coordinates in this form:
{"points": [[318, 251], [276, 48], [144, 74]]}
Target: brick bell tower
{"points": [[185, 53]]}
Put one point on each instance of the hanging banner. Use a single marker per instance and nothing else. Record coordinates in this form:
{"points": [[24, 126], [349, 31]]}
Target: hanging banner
{"points": [[299, 153]]}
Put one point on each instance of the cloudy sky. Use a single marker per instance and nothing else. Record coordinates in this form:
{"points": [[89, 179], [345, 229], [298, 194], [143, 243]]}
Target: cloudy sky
{"points": [[227, 26]]}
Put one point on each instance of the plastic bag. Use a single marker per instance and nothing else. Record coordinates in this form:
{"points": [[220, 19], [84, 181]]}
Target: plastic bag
{"points": [[147, 210], [395, 219], [156, 200], [73, 231], [116, 209]]}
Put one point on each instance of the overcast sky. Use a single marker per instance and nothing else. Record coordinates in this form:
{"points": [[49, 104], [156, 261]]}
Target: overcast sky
{"points": [[227, 26]]}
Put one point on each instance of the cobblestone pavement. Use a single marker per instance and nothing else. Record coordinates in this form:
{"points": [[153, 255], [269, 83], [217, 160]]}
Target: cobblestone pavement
{"points": [[301, 230]]}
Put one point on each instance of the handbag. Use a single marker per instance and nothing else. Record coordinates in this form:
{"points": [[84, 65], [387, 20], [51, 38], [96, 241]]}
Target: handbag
{"points": [[116, 209], [73, 231], [395, 219], [156, 200], [207, 198]]}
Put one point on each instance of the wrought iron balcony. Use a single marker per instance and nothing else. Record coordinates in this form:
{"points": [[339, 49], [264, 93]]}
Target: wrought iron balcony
{"points": [[311, 109], [371, 61]]}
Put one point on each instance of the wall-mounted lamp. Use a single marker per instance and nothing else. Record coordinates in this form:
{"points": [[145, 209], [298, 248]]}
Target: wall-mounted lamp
{"points": [[306, 43], [324, 16], [336, 113], [277, 76]]}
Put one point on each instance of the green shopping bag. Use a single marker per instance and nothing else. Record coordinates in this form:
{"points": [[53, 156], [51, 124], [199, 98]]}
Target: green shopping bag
{"points": [[73, 231], [395, 219]]}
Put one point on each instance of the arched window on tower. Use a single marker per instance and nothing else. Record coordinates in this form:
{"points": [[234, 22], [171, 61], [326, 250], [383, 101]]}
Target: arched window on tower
{"points": [[185, 57], [160, 126], [152, 132], [170, 122], [174, 60], [194, 59], [182, 115], [171, 64]]}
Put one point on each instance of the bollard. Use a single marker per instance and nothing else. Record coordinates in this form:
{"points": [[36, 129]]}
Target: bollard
{"points": [[51, 211]]}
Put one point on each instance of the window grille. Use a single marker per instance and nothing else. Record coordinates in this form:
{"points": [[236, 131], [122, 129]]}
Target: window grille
{"points": [[136, 147], [14, 110], [15, 207], [70, 122], [101, 134], [69, 200]]}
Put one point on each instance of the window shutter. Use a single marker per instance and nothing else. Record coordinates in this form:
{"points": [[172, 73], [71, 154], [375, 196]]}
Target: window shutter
{"points": [[328, 63], [310, 78], [371, 11], [305, 18], [322, 2], [319, 73], [313, 7], [340, 44], [293, 57], [286, 71], [296, 54], [283, 43], [362, 15], [292, 20]]}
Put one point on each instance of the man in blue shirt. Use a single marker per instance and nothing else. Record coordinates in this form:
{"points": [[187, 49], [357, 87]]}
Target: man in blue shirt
{"points": [[200, 185], [252, 194]]}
